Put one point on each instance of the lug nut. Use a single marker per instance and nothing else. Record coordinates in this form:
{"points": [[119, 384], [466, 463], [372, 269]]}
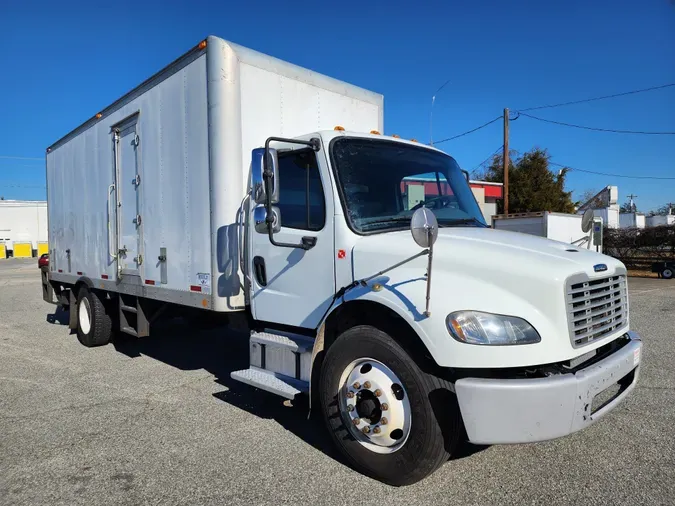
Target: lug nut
{"points": [[383, 421], [366, 384], [384, 406], [357, 385], [377, 430], [350, 395], [378, 392], [356, 421], [365, 430], [350, 407]]}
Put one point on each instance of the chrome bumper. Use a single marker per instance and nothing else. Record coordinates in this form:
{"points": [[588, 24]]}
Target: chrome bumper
{"points": [[502, 411]]}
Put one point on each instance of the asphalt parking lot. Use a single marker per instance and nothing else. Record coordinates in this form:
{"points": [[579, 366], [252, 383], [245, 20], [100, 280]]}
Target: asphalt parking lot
{"points": [[158, 421]]}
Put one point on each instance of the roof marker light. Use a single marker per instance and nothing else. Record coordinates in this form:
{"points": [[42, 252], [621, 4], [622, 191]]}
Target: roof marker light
{"points": [[202, 44], [375, 132], [339, 128]]}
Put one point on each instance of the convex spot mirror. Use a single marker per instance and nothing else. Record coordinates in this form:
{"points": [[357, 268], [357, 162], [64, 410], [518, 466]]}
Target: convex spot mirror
{"points": [[257, 175], [587, 221], [424, 227], [259, 219]]}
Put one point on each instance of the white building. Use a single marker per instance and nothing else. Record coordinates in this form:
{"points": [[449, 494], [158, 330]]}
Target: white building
{"points": [[23, 228]]}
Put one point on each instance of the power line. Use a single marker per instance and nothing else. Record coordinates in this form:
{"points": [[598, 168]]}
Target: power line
{"points": [[595, 128], [606, 174], [487, 159], [599, 98], [7, 157], [469, 131]]}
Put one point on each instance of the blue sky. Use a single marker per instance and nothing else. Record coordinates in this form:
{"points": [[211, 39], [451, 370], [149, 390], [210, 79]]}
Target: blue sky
{"points": [[61, 62]]}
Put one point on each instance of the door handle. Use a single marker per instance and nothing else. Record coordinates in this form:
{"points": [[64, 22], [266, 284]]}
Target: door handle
{"points": [[260, 271], [111, 188]]}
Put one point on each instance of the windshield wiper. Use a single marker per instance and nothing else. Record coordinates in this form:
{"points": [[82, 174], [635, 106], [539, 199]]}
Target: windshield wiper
{"points": [[462, 221], [374, 222]]}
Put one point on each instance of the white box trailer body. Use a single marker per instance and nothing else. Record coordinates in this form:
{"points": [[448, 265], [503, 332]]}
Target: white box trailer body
{"points": [[555, 226], [23, 221], [657, 221], [163, 171]]}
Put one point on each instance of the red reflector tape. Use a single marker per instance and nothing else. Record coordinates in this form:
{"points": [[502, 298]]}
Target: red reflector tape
{"points": [[149, 281], [195, 288], [104, 276], [60, 270], [79, 273]]}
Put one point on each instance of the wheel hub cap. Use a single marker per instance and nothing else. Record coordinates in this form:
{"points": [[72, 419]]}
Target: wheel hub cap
{"points": [[374, 405]]}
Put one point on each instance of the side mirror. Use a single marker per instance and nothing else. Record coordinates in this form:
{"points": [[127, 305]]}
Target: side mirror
{"points": [[257, 175], [587, 221], [260, 219], [424, 227]]}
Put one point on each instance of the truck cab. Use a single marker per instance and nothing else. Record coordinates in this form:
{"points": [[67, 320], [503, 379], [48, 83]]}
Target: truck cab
{"points": [[518, 339]]}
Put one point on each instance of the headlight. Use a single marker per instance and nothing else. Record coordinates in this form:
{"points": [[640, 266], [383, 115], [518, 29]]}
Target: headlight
{"points": [[474, 327]]}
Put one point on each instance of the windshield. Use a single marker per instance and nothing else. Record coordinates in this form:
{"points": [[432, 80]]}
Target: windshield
{"points": [[383, 183]]}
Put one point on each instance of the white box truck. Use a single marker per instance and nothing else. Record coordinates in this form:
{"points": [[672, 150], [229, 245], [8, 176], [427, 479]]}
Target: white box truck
{"points": [[221, 184], [563, 227]]}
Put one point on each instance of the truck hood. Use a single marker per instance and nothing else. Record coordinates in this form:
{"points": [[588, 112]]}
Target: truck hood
{"points": [[481, 269], [486, 248]]}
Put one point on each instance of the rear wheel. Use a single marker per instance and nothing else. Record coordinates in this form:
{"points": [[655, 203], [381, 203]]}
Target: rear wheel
{"points": [[391, 420], [94, 325], [667, 273]]}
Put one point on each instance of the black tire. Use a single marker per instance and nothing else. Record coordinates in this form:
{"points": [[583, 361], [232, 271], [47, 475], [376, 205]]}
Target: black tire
{"points": [[99, 331], [667, 273], [436, 423]]}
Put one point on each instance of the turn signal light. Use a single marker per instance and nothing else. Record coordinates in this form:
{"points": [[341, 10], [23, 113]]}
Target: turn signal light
{"points": [[339, 128]]}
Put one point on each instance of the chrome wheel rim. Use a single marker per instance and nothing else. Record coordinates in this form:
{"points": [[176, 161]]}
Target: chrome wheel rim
{"points": [[374, 405]]}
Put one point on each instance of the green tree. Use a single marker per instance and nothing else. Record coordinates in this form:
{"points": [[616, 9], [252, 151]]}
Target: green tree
{"points": [[532, 184], [663, 210], [627, 208]]}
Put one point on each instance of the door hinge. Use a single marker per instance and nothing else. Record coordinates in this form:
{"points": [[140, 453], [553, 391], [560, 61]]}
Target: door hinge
{"points": [[137, 180], [137, 140], [137, 220], [138, 259]]}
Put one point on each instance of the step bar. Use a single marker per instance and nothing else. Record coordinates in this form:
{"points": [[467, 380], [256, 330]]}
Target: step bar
{"points": [[280, 363]]}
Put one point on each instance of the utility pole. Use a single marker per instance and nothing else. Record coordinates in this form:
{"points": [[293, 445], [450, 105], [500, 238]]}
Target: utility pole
{"points": [[633, 207], [506, 161]]}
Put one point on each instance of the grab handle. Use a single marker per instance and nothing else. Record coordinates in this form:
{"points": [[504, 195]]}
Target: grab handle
{"points": [[111, 188]]}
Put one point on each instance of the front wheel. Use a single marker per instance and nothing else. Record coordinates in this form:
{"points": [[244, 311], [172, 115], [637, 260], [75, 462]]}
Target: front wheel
{"points": [[391, 420], [667, 273]]}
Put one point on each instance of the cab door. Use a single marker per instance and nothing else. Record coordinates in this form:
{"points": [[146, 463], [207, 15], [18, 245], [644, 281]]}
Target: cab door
{"points": [[294, 286]]}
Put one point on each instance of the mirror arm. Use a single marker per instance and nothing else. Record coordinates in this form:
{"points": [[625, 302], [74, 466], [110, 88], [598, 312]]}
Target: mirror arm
{"points": [[427, 313], [364, 282], [308, 242]]}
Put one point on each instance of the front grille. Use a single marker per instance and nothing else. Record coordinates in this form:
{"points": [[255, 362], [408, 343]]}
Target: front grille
{"points": [[596, 308]]}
